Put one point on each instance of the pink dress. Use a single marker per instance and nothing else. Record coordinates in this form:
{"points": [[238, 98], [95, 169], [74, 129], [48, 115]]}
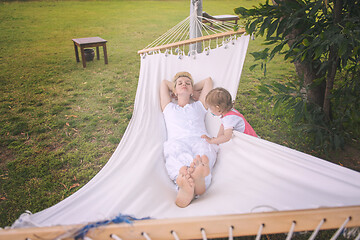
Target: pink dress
{"points": [[240, 124]]}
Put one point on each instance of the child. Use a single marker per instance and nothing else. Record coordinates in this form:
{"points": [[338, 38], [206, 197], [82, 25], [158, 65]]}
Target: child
{"points": [[219, 103]]}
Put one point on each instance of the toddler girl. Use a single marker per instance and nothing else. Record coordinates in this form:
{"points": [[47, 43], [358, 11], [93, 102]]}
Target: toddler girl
{"points": [[219, 103]]}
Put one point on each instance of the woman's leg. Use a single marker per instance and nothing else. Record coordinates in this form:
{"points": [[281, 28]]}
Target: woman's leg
{"points": [[199, 169], [177, 154], [186, 188], [205, 163], [178, 157]]}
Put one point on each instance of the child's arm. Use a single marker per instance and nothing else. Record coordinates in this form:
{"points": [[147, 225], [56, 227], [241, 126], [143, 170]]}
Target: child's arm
{"points": [[165, 98], [205, 87], [223, 136]]}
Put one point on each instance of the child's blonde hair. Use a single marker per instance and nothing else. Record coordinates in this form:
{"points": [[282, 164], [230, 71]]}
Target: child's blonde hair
{"points": [[221, 98], [183, 74]]}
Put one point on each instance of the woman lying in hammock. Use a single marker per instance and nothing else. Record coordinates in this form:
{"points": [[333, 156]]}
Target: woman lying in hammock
{"points": [[189, 158]]}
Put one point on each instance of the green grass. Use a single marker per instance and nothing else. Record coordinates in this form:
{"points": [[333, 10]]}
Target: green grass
{"points": [[60, 123]]}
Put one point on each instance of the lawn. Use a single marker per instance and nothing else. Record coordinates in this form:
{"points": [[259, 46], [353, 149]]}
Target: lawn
{"points": [[60, 123]]}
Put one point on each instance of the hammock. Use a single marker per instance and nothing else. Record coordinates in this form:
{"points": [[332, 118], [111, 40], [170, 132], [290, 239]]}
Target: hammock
{"points": [[251, 175]]}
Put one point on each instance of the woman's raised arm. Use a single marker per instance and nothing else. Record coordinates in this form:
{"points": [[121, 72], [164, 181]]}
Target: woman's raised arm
{"points": [[205, 87], [165, 98]]}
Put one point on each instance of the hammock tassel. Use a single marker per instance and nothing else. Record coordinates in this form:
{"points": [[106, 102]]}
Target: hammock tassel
{"points": [[207, 50]]}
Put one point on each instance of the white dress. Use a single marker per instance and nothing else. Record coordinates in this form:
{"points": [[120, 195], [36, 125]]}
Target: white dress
{"points": [[185, 125]]}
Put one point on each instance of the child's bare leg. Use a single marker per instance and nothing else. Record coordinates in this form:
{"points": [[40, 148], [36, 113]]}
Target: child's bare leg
{"points": [[186, 188], [198, 170]]}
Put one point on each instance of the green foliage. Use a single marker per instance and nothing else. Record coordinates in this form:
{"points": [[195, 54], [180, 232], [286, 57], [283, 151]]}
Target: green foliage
{"points": [[289, 99], [346, 101], [309, 28], [261, 55], [305, 31]]}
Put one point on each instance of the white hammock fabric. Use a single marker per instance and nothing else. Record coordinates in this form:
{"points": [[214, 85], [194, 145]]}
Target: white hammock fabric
{"points": [[251, 174]]}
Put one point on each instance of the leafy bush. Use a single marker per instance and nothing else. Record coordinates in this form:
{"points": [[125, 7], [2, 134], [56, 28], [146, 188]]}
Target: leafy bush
{"points": [[290, 100]]}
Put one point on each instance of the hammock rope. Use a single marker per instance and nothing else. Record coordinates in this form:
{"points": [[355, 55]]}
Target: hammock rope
{"points": [[317, 229], [175, 235], [146, 236], [171, 34], [358, 237], [178, 36], [291, 232], [231, 235], [339, 231], [203, 234], [114, 236], [259, 233]]}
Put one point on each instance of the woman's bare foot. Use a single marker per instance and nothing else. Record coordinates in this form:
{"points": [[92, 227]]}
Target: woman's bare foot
{"points": [[183, 170], [198, 170], [186, 188]]}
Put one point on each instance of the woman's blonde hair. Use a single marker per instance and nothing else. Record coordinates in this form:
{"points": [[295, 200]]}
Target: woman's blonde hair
{"points": [[221, 98], [183, 74]]}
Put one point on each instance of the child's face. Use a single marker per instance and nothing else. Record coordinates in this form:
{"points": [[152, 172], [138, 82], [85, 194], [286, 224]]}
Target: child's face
{"points": [[215, 110]]}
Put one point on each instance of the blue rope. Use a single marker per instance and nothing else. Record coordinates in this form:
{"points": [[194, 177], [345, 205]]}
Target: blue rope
{"points": [[119, 219]]}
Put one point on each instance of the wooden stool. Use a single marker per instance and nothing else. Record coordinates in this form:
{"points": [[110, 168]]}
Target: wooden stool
{"points": [[86, 43]]}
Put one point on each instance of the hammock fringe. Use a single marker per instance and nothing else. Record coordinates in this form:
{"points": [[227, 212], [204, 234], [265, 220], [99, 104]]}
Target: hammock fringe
{"points": [[192, 41]]}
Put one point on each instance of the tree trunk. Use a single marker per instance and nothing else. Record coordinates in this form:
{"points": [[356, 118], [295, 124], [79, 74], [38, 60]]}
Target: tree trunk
{"points": [[334, 62], [306, 71], [314, 94], [330, 78]]}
